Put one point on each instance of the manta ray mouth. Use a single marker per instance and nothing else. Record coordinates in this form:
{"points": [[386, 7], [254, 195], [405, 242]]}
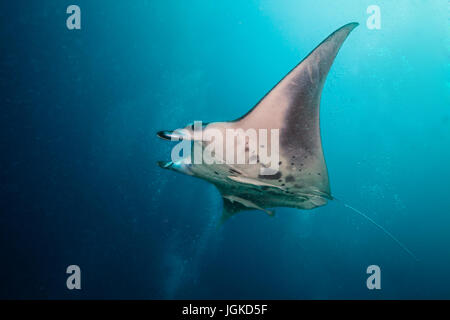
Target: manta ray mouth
{"points": [[165, 135], [175, 135]]}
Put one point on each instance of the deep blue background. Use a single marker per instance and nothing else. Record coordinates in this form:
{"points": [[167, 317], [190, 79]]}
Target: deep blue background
{"points": [[79, 184]]}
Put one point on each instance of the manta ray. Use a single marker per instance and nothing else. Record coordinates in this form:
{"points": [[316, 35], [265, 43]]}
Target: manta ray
{"points": [[292, 106]]}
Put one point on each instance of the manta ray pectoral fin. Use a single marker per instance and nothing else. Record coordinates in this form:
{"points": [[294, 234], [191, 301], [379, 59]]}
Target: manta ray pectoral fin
{"points": [[292, 107], [233, 204], [230, 208], [248, 204], [297, 95]]}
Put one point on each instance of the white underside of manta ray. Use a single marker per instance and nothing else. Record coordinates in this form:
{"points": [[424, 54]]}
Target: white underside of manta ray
{"points": [[292, 106]]}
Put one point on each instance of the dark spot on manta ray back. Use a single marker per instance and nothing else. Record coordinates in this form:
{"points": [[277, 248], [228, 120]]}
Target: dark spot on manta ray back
{"points": [[290, 179], [275, 176]]}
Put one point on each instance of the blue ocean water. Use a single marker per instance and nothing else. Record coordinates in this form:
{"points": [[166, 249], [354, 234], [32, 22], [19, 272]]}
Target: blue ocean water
{"points": [[80, 185]]}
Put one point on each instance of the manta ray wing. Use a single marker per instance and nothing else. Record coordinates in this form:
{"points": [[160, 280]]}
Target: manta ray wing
{"points": [[292, 106], [231, 208]]}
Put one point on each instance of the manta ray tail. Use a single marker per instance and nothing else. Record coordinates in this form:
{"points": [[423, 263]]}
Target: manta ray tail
{"points": [[390, 235]]}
